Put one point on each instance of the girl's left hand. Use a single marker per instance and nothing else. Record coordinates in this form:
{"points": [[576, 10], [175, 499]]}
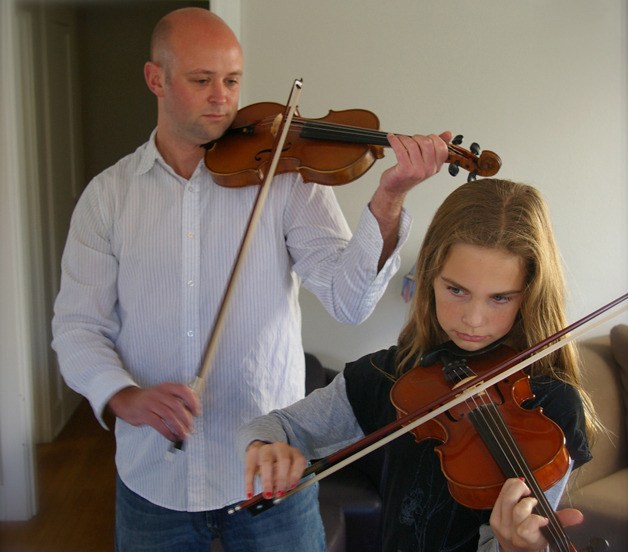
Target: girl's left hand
{"points": [[515, 525]]}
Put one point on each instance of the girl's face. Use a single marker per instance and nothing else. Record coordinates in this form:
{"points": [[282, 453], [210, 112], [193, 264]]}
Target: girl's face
{"points": [[478, 294]]}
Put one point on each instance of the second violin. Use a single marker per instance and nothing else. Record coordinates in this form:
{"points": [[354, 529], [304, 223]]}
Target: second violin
{"points": [[333, 150]]}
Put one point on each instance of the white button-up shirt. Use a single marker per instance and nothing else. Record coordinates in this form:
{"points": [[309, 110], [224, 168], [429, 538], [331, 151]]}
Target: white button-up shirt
{"points": [[144, 271]]}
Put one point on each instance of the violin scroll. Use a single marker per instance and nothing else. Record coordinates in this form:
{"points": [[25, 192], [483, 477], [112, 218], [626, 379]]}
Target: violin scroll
{"points": [[477, 164]]}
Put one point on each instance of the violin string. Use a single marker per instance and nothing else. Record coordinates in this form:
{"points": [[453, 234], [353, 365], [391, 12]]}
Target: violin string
{"points": [[494, 422], [543, 506], [331, 128], [337, 131]]}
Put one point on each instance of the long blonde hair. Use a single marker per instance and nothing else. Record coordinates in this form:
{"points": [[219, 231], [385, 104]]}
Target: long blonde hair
{"points": [[514, 217]]}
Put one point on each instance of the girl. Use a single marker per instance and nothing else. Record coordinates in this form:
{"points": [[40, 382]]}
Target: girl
{"points": [[488, 270]]}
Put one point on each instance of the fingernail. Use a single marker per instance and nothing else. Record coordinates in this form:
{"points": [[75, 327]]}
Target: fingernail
{"points": [[249, 495], [268, 495], [281, 493]]}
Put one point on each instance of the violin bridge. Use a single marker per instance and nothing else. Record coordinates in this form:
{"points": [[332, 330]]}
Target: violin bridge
{"points": [[274, 129]]}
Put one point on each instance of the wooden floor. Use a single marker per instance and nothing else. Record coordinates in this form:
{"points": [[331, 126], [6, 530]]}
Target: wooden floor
{"points": [[76, 479]]}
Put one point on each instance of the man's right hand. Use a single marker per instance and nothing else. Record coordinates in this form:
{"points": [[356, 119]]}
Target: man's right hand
{"points": [[169, 408]]}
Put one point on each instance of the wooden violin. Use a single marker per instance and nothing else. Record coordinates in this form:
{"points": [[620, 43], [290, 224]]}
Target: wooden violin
{"points": [[333, 150], [490, 430], [489, 437]]}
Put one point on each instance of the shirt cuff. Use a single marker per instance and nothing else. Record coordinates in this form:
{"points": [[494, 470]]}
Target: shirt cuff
{"points": [[370, 239]]}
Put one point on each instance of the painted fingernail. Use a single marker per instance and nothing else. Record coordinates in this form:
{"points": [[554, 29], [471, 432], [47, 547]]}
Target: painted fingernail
{"points": [[249, 495], [268, 494], [281, 493]]}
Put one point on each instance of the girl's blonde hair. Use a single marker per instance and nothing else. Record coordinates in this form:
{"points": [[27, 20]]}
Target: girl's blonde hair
{"points": [[510, 216]]}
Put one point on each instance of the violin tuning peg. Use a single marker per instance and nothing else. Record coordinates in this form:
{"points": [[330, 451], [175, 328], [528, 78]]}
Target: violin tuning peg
{"points": [[472, 176], [457, 140], [475, 148], [454, 169]]}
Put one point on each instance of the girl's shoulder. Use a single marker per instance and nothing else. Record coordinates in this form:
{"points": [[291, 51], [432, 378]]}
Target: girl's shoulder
{"points": [[374, 366], [368, 382]]}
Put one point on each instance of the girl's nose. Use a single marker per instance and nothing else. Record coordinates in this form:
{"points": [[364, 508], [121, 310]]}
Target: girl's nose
{"points": [[473, 315]]}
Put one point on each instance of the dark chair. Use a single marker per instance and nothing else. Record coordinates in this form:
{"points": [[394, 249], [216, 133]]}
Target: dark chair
{"points": [[349, 499]]}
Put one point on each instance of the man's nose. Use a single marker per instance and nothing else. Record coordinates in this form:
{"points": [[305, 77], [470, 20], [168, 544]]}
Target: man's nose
{"points": [[217, 92]]}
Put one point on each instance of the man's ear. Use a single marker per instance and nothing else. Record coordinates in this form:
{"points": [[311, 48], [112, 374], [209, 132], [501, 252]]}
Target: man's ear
{"points": [[154, 76]]}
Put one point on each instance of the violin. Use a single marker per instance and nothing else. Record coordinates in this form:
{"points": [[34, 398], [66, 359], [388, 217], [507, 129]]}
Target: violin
{"points": [[333, 150], [490, 430]]}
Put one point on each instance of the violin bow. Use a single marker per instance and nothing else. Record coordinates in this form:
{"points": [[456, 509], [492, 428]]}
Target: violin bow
{"points": [[199, 381], [460, 394]]}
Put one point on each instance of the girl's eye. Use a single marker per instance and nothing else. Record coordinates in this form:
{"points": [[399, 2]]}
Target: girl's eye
{"points": [[501, 298], [455, 290]]}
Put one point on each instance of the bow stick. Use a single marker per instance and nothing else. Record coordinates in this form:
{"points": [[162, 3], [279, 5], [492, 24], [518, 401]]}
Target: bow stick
{"points": [[199, 381]]}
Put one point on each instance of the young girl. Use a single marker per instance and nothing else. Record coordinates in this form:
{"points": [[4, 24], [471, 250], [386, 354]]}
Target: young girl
{"points": [[488, 269]]}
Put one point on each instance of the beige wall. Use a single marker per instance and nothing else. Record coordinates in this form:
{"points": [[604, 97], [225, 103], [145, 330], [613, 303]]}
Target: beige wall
{"points": [[541, 83]]}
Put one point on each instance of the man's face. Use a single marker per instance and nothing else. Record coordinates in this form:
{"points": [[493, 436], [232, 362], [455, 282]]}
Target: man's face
{"points": [[201, 87]]}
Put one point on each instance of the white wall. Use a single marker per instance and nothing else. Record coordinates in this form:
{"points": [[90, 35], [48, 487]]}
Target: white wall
{"points": [[541, 83]]}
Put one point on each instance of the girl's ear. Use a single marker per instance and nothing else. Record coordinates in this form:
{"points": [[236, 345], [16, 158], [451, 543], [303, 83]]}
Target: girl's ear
{"points": [[154, 76]]}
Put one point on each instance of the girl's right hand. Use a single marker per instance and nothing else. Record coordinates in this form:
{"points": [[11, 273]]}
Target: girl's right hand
{"points": [[278, 465]]}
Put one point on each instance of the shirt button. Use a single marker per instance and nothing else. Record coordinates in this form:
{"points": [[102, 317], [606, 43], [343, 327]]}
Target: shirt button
{"points": [[190, 333], [190, 234], [191, 283]]}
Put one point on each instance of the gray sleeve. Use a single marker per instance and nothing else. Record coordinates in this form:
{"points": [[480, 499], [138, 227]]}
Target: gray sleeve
{"points": [[321, 423]]}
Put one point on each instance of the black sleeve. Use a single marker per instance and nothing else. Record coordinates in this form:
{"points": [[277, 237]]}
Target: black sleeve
{"points": [[562, 403]]}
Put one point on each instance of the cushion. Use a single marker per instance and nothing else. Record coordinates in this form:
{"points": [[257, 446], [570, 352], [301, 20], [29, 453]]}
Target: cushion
{"points": [[605, 508], [619, 349]]}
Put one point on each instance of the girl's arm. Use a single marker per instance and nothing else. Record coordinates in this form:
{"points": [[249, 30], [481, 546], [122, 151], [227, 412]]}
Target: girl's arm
{"points": [[276, 445]]}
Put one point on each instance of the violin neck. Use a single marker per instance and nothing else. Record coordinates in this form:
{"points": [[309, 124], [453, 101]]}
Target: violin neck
{"points": [[497, 437], [343, 133]]}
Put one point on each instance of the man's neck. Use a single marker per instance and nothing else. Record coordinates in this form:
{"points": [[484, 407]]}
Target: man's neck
{"points": [[183, 159]]}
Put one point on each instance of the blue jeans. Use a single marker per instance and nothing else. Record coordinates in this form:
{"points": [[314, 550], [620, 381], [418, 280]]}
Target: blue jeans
{"points": [[293, 524]]}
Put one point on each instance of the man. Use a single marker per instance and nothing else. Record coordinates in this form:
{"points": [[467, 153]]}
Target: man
{"points": [[150, 249]]}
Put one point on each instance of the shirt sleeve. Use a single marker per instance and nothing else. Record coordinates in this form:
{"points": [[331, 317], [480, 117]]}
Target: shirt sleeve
{"points": [[318, 425], [85, 323], [338, 267]]}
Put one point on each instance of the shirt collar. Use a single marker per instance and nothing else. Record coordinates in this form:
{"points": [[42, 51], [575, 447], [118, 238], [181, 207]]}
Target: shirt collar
{"points": [[151, 155]]}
